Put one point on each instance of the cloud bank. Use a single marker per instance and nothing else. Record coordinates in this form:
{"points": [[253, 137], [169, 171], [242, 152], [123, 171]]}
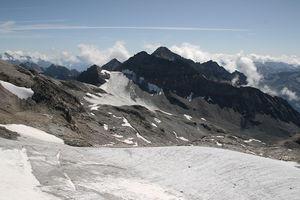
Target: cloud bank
{"points": [[88, 55], [240, 62], [94, 55]]}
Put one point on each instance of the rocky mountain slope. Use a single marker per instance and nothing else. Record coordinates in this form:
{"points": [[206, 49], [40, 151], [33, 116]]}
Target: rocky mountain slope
{"points": [[209, 70], [93, 75], [60, 72], [175, 76], [121, 114]]}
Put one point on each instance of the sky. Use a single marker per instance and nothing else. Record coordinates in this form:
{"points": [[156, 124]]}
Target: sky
{"points": [[267, 27]]}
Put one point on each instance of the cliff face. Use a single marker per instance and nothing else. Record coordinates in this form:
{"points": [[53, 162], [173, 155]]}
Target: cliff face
{"points": [[93, 75]]}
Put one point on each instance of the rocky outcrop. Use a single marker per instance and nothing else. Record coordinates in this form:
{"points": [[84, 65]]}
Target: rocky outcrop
{"points": [[209, 70], [51, 94], [93, 75]]}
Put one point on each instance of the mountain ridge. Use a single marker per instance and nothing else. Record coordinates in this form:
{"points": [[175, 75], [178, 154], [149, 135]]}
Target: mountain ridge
{"points": [[179, 76]]}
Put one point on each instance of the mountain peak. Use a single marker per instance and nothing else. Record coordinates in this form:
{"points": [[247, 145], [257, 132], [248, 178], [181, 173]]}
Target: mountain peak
{"points": [[112, 65], [142, 53], [93, 75], [165, 53]]}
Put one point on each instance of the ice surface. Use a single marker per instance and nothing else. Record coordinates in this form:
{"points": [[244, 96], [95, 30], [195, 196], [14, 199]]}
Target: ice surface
{"points": [[153, 173], [17, 181], [21, 92], [27, 131]]}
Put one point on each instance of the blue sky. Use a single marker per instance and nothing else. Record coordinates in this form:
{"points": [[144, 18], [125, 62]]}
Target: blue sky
{"points": [[266, 27]]}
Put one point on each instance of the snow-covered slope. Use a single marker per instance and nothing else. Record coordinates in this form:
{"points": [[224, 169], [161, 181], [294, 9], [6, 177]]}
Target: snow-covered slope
{"points": [[191, 173], [27, 131], [17, 180], [120, 91], [21, 92]]}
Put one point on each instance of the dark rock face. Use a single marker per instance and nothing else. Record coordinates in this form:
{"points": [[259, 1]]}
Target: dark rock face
{"points": [[182, 78], [50, 94], [60, 72], [212, 71], [32, 66], [113, 65], [93, 75], [209, 70]]}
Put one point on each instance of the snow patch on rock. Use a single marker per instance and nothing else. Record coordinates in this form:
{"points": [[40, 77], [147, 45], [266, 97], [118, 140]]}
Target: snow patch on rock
{"points": [[30, 132], [144, 139], [126, 123], [154, 125], [105, 126], [157, 120], [251, 140], [21, 92], [188, 117], [180, 138]]}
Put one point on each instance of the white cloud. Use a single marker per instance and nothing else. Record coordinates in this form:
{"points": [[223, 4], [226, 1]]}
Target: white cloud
{"points": [[88, 55], [33, 27], [292, 60], [94, 55], [289, 94], [268, 90], [5, 27], [152, 47]]}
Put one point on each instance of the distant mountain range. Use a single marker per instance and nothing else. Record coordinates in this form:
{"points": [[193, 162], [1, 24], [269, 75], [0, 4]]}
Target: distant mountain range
{"points": [[284, 79], [54, 71]]}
